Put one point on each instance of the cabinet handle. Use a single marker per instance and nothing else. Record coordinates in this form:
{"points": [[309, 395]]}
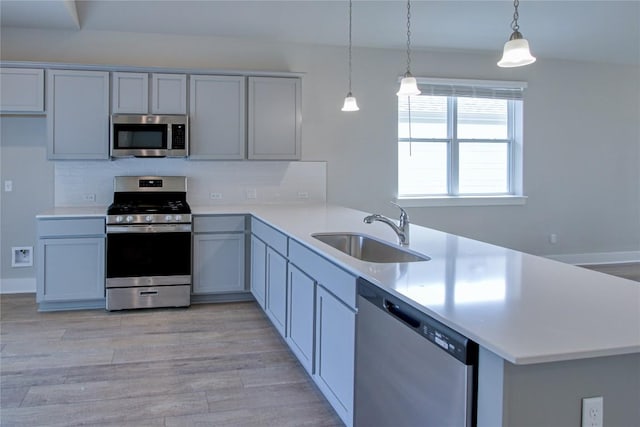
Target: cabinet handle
{"points": [[148, 293]]}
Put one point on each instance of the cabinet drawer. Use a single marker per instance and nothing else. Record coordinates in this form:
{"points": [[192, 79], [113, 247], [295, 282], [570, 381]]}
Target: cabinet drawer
{"points": [[71, 227], [216, 223], [331, 277], [270, 236]]}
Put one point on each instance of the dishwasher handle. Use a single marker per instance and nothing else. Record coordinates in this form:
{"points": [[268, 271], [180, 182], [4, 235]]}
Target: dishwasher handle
{"points": [[396, 311]]}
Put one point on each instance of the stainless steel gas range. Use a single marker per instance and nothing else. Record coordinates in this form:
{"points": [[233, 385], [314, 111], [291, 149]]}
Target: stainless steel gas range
{"points": [[148, 243]]}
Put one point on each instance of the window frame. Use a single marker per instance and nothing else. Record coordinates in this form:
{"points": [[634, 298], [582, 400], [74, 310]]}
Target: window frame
{"points": [[514, 194]]}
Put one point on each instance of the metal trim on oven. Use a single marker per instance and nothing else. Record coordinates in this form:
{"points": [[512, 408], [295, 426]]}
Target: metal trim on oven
{"points": [[150, 228], [145, 281]]}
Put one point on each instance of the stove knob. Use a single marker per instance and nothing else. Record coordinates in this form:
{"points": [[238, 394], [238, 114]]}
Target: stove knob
{"points": [[168, 218], [178, 217], [119, 219], [129, 218], [148, 218]]}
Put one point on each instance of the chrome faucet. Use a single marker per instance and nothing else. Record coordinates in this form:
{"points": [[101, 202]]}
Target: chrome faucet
{"points": [[402, 230]]}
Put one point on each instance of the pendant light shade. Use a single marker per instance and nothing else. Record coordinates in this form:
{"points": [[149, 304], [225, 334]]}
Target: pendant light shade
{"points": [[408, 84], [516, 50], [350, 103]]}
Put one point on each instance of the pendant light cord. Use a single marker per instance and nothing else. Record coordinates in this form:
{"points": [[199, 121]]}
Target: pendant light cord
{"points": [[514, 24], [350, 7], [409, 36]]}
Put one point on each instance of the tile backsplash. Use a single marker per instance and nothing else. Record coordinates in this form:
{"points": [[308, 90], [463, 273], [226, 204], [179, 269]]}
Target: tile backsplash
{"points": [[90, 183]]}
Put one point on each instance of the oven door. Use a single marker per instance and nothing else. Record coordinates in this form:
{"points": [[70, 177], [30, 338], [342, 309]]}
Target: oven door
{"points": [[148, 255]]}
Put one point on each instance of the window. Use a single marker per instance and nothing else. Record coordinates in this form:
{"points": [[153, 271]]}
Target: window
{"points": [[460, 139]]}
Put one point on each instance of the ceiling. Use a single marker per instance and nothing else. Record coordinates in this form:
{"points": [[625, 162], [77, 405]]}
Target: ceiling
{"points": [[603, 31]]}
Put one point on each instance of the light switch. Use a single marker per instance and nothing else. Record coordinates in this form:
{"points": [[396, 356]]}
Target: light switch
{"points": [[8, 185]]}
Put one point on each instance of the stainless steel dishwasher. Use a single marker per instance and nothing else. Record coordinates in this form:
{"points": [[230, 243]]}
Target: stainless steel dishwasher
{"points": [[411, 370]]}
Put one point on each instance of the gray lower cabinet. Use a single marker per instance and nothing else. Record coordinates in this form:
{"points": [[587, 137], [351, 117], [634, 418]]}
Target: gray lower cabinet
{"points": [[276, 301], [315, 313], [219, 257], [70, 264], [301, 291], [335, 352], [259, 270]]}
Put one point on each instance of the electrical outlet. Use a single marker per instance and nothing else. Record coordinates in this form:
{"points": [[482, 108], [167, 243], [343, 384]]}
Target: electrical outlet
{"points": [[592, 411], [215, 196], [8, 186], [553, 238], [89, 197], [251, 194], [303, 195]]}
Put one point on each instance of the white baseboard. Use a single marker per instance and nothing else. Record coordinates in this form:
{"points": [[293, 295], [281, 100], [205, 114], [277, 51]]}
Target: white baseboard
{"points": [[18, 286], [597, 258]]}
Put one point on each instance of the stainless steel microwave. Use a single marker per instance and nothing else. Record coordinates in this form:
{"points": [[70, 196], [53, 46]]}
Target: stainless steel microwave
{"points": [[136, 135]]}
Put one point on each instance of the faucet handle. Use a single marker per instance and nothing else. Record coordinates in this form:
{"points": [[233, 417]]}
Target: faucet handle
{"points": [[404, 217]]}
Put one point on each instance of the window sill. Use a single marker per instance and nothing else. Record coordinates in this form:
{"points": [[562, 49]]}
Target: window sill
{"points": [[418, 202]]}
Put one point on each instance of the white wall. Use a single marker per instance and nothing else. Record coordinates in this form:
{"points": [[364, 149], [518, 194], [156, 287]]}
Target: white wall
{"points": [[582, 137]]}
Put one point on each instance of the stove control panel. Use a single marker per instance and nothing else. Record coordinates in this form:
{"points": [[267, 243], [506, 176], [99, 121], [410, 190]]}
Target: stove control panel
{"points": [[149, 219]]}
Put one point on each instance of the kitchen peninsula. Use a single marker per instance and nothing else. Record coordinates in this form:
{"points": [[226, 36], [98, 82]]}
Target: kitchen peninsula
{"points": [[514, 305]]}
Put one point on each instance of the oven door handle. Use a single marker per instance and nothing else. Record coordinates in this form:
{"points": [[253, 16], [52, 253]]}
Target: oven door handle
{"points": [[155, 228]]}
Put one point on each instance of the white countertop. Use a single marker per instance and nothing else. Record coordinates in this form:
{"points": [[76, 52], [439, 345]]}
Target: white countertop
{"points": [[524, 308]]}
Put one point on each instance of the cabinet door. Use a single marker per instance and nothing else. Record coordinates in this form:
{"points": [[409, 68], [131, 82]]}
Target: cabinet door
{"points": [[130, 93], [300, 316], [275, 118], [70, 269], [169, 94], [259, 270], [218, 263], [217, 117], [277, 290], [21, 90], [335, 352], [77, 114]]}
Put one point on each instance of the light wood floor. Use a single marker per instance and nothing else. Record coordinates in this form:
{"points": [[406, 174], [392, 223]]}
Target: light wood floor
{"points": [[208, 365]]}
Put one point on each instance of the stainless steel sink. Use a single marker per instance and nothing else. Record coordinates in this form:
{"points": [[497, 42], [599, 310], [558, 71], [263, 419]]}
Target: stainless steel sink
{"points": [[367, 248]]}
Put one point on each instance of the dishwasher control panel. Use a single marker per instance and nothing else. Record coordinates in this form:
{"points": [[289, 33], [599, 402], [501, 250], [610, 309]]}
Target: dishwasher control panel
{"points": [[454, 343]]}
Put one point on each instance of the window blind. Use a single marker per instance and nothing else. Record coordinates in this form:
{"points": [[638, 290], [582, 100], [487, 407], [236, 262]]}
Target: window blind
{"points": [[472, 88]]}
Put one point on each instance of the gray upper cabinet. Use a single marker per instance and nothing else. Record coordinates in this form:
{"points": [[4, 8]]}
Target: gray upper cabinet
{"points": [[275, 118], [21, 90], [217, 119], [168, 93], [77, 115], [129, 93]]}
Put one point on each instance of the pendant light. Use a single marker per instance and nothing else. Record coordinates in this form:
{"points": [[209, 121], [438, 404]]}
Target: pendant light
{"points": [[516, 50], [408, 84], [350, 103]]}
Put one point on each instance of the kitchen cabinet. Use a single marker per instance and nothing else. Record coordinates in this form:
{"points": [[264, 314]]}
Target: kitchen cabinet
{"points": [[219, 254], [70, 263], [77, 115], [276, 298], [217, 117], [334, 327], [168, 93], [274, 118], [301, 316], [259, 271], [273, 267], [335, 352], [22, 90], [130, 93]]}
